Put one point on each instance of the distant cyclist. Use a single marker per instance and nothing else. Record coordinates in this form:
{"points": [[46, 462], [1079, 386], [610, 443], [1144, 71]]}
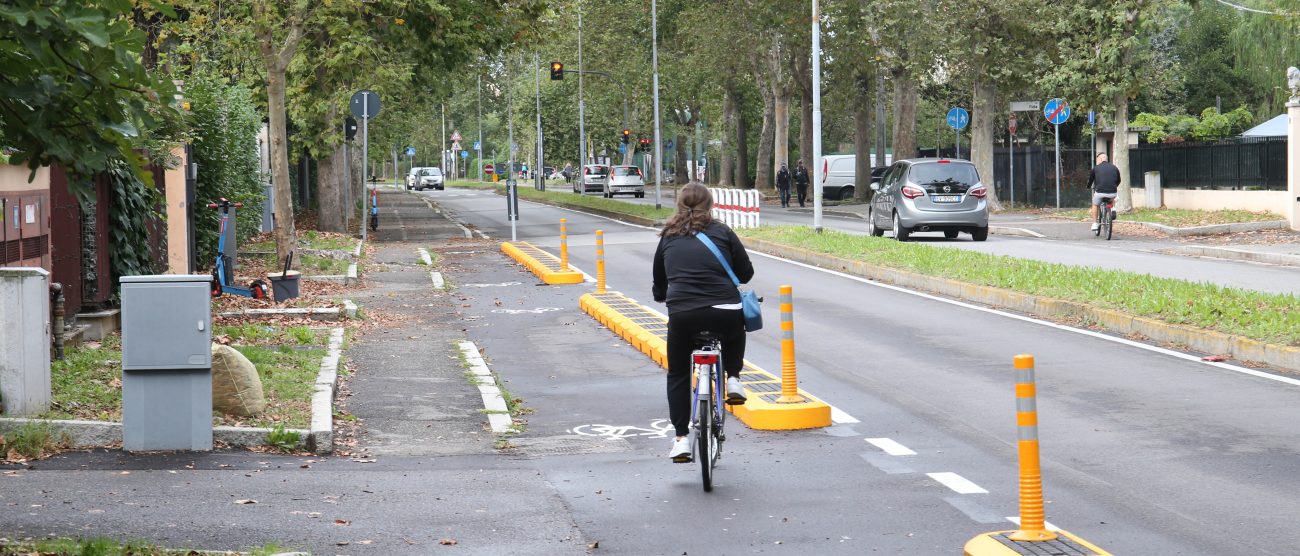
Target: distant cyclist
{"points": [[700, 297], [1104, 182]]}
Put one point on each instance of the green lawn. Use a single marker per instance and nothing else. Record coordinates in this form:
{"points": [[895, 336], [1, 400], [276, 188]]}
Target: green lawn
{"points": [[1261, 316], [566, 197], [1183, 218]]}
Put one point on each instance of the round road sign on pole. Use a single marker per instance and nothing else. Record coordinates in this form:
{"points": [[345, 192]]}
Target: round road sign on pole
{"points": [[1056, 111], [365, 104], [958, 117]]}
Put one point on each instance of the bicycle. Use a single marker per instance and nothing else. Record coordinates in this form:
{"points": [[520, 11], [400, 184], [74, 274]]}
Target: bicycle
{"points": [[707, 414], [1105, 217]]}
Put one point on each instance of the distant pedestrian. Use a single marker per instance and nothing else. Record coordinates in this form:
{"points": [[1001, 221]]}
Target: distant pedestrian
{"points": [[801, 181], [783, 185]]}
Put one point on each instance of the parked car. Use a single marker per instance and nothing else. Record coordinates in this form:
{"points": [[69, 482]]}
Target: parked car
{"points": [[841, 174], [430, 178], [593, 178], [412, 177], [930, 195], [625, 179]]}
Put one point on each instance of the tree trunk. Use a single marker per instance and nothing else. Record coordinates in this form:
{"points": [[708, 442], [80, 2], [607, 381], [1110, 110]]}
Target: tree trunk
{"points": [[862, 120], [1123, 201], [981, 136], [781, 131], [763, 162], [681, 174], [801, 68], [285, 235], [329, 193], [728, 124], [742, 149], [905, 99]]}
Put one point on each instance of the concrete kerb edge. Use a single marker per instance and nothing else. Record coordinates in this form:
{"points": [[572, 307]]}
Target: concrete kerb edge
{"points": [[349, 309], [316, 313], [1206, 341], [1216, 229], [493, 400], [1019, 232], [322, 399], [1281, 259], [97, 434]]}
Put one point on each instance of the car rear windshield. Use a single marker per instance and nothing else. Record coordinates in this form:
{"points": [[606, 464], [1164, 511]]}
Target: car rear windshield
{"points": [[435, 172], [937, 172], [627, 171], [598, 170]]}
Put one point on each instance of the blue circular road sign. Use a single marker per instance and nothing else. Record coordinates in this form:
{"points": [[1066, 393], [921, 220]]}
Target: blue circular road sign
{"points": [[958, 118], [1056, 111]]}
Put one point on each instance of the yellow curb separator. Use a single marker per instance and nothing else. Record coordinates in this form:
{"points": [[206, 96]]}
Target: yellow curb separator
{"points": [[647, 331], [545, 265], [999, 543]]}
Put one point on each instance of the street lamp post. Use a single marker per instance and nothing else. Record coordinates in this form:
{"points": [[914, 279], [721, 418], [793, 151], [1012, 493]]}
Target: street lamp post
{"points": [[582, 129], [817, 118], [654, 61], [540, 182]]}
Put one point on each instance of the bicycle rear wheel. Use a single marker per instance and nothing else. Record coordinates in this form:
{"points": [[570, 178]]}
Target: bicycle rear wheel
{"points": [[1108, 222], [704, 443]]}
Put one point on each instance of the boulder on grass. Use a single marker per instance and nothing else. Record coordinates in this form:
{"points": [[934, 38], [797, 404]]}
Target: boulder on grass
{"points": [[236, 388]]}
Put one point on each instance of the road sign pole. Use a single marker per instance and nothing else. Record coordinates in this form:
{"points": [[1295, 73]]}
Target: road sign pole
{"points": [[582, 128], [365, 158], [1012, 171], [537, 80], [510, 172], [654, 61], [1058, 165], [818, 174], [958, 142]]}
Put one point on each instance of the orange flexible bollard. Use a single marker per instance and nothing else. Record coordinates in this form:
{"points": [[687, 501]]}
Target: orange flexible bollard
{"points": [[600, 261], [1032, 514], [564, 245], [789, 377]]}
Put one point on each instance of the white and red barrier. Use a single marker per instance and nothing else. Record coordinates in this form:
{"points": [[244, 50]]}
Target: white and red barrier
{"points": [[737, 208]]}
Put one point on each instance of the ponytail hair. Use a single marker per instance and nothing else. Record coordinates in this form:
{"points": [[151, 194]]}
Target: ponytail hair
{"points": [[694, 211]]}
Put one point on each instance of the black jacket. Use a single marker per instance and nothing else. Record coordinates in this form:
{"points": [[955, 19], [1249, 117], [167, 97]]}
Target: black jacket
{"points": [[688, 276], [783, 178], [1105, 177], [801, 177]]}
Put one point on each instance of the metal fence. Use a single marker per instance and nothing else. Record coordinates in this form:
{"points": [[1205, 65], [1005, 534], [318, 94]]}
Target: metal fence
{"points": [[1035, 179], [1246, 163]]}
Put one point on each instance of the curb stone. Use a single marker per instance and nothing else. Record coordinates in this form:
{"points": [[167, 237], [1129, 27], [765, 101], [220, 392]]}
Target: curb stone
{"points": [[316, 313], [1197, 339], [349, 308], [322, 399], [1214, 229], [1282, 259]]}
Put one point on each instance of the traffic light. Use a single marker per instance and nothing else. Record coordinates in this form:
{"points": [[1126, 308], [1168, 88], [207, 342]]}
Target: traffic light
{"points": [[627, 136], [557, 71]]}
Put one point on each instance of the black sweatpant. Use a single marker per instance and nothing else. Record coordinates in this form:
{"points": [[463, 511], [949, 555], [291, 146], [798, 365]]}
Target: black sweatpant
{"points": [[803, 194], [728, 325]]}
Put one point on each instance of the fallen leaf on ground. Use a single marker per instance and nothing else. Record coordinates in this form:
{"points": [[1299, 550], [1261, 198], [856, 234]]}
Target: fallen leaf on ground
{"points": [[447, 541], [245, 501], [594, 545], [313, 514], [1214, 358], [342, 522]]}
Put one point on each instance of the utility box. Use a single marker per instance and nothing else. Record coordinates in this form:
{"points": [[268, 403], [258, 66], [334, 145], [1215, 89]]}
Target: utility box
{"points": [[24, 341], [166, 362], [1154, 195]]}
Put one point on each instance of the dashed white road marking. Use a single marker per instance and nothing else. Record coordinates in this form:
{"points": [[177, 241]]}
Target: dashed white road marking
{"points": [[424, 256], [438, 282], [958, 483], [891, 447], [493, 401], [1046, 524], [839, 417]]}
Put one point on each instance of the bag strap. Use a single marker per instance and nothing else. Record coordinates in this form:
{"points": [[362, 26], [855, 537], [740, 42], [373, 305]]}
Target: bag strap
{"points": [[714, 248]]}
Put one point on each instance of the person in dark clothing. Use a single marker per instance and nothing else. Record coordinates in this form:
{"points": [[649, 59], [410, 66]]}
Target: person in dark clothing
{"points": [[801, 181], [1104, 182], [701, 297], [783, 185]]}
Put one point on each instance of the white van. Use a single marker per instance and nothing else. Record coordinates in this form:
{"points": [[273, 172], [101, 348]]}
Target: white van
{"points": [[842, 172]]}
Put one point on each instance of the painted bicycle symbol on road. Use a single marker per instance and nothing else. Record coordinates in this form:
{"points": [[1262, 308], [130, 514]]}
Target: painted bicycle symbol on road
{"points": [[659, 428]]}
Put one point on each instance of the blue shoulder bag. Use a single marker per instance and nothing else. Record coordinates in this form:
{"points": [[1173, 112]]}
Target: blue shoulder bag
{"points": [[750, 302]]}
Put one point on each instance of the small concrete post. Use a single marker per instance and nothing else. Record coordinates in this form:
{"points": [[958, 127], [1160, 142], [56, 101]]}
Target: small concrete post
{"points": [[600, 261], [25, 341], [1154, 195]]}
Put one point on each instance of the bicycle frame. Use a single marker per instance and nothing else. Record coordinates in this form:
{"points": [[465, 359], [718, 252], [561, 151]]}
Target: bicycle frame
{"points": [[709, 386]]}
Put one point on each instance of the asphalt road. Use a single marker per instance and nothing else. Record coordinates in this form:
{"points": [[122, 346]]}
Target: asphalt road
{"points": [[1144, 452]]}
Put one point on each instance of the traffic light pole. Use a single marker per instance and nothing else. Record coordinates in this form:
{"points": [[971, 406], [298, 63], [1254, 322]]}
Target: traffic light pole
{"points": [[540, 181], [582, 127]]}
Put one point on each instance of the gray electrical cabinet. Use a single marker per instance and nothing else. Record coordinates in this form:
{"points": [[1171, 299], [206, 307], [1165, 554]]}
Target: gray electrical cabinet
{"points": [[166, 362]]}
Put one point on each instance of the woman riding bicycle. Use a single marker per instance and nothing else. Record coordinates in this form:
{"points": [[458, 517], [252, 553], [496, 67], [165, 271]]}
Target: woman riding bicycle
{"points": [[700, 297]]}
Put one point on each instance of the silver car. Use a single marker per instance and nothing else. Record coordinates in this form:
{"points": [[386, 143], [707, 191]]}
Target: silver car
{"points": [[593, 178], [625, 179], [930, 195], [430, 178]]}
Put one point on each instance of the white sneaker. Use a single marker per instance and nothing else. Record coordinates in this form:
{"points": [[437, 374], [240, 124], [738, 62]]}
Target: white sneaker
{"points": [[735, 392], [681, 452], [1095, 226]]}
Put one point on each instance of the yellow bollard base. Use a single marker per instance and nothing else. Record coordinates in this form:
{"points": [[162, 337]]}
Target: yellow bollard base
{"points": [[1032, 536], [647, 331], [545, 265], [1000, 543]]}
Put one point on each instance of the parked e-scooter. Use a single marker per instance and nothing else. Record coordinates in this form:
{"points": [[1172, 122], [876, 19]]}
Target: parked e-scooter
{"points": [[223, 271]]}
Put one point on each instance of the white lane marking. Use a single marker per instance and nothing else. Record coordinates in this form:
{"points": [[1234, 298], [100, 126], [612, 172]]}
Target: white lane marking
{"points": [[958, 483], [424, 256], [438, 283], [891, 447], [1046, 524], [501, 285], [659, 428], [538, 310], [1098, 335], [493, 401], [839, 417]]}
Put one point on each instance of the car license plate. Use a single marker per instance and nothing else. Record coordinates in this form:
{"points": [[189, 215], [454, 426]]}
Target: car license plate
{"points": [[945, 198]]}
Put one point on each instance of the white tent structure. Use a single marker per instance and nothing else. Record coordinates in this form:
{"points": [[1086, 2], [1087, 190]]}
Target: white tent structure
{"points": [[1275, 127]]}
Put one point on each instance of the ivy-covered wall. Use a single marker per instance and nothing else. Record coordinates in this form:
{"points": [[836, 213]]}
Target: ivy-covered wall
{"points": [[223, 122]]}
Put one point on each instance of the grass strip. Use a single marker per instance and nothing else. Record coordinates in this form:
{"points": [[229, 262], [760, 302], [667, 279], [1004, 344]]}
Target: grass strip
{"points": [[109, 547], [569, 198], [1183, 218], [1267, 317], [87, 383]]}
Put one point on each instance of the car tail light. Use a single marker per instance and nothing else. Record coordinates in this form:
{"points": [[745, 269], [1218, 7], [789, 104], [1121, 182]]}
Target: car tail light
{"points": [[945, 162], [912, 191], [586, 171], [978, 191], [706, 358]]}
